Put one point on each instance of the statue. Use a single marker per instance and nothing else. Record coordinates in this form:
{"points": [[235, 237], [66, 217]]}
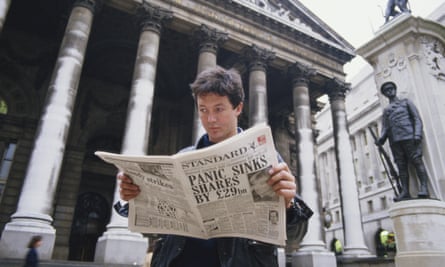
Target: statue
{"points": [[391, 11], [402, 125]]}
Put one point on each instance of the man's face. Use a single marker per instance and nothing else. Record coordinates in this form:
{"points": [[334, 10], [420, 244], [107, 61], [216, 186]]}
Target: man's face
{"points": [[219, 118]]}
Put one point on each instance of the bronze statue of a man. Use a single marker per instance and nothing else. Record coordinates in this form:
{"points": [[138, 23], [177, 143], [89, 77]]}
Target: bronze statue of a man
{"points": [[402, 125], [391, 11]]}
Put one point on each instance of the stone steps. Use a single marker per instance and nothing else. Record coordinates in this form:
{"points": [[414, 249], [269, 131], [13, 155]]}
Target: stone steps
{"points": [[57, 263]]}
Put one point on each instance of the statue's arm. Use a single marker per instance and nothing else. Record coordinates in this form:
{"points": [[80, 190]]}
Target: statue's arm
{"points": [[385, 129], [417, 121]]}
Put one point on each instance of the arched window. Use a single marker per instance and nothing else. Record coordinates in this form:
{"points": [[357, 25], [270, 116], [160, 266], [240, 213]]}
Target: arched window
{"points": [[7, 151], [3, 106], [91, 215]]}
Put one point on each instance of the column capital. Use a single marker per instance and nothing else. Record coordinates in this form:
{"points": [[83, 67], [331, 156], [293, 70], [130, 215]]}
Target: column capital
{"points": [[209, 38], [150, 17], [337, 89], [92, 5], [301, 73], [258, 58]]}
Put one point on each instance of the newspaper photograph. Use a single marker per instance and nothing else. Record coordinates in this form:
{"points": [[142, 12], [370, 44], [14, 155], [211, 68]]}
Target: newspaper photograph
{"points": [[218, 191]]}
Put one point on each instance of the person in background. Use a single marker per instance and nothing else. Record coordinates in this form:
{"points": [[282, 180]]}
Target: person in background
{"points": [[336, 246], [32, 257], [219, 97]]}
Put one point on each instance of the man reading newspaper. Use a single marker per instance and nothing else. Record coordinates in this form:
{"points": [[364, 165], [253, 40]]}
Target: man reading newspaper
{"points": [[219, 96]]}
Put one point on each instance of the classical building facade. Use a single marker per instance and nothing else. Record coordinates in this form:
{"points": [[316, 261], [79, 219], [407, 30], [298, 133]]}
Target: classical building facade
{"points": [[364, 107], [113, 75]]}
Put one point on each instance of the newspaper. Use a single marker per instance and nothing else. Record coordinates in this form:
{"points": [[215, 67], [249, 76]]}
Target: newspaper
{"points": [[218, 191]]}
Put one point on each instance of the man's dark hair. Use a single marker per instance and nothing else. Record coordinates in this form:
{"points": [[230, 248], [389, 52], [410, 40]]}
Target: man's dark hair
{"points": [[385, 84], [34, 240], [219, 81]]}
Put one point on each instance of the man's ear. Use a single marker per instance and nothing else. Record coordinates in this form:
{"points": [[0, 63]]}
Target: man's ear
{"points": [[239, 108]]}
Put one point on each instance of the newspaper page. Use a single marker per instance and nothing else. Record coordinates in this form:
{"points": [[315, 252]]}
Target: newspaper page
{"points": [[218, 191]]}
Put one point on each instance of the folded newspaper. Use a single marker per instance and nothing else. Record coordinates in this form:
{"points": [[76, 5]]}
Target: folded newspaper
{"points": [[218, 191]]}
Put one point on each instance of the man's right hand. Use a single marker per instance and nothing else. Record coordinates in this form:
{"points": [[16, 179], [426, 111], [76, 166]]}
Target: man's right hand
{"points": [[127, 189]]}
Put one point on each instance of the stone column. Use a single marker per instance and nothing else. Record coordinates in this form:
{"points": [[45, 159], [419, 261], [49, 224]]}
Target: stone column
{"points": [[351, 215], [209, 42], [257, 60], [35, 207], [118, 245], [312, 250], [4, 7]]}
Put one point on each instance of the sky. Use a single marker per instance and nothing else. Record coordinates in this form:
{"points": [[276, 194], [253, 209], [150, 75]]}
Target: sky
{"points": [[357, 20]]}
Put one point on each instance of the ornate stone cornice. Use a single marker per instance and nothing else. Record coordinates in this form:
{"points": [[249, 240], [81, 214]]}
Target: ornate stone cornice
{"points": [[258, 58], [93, 5], [150, 18], [337, 89], [301, 73], [209, 39]]}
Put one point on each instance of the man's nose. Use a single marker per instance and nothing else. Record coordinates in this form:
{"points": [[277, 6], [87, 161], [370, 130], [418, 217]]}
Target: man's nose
{"points": [[211, 117]]}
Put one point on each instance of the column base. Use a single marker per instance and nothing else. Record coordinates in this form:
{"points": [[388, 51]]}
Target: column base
{"points": [[313, 259], [357, 252], [121, 247], [18, 233]]}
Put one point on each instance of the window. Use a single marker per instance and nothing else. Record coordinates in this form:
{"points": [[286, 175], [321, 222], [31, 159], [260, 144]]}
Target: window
{"points": [[337, 216], [370, 206], [3, 106], [8, 150], [384, 203]]}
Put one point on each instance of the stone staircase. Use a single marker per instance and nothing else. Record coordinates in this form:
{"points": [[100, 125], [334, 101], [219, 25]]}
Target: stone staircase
{"points": [[57, 263]]}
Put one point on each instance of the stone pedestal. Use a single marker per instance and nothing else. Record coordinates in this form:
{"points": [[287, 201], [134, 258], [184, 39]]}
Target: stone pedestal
{"points": [[314, 259], [17, 234], [121, 247], [419, 227]]}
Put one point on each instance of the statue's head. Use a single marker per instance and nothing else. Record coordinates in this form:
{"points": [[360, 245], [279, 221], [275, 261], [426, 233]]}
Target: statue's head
{"points": [[387, 85]]}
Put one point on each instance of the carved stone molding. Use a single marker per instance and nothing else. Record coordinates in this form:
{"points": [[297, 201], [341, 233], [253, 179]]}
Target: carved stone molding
{"points": [[93, 5], [336, 89], [433, 51], [151, 18], [301, 73], [258, 58], [209, 39]]}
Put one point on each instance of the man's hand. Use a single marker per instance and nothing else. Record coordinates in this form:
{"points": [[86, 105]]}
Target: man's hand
{"points": [[127, 189], [283, 182]]}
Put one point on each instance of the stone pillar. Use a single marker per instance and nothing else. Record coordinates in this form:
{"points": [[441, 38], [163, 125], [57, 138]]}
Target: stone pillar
{"points": [[209, 42], [351, 215], [118, 245], [257, 60], [312, 250], [4, 7], [419, 227], [35, 206]]}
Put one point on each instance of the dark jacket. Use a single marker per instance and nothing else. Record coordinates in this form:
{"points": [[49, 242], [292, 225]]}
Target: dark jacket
{"points": [[232, 252], [401, 121], [32, 259]]}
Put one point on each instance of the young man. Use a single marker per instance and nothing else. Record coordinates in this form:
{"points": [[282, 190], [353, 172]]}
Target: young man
{"points": [[219, 96], [402, 125]]}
